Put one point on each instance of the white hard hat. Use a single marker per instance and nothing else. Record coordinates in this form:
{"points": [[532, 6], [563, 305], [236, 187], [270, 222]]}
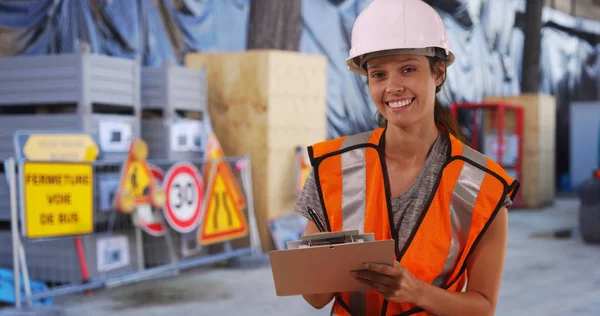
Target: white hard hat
{"points": [[388, 27]]}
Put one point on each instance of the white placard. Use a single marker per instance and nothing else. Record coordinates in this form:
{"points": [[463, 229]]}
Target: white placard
{"points": [[115, 136], [112, 253], [195, 136], [179, 137], [190, 245], [186, 136]]}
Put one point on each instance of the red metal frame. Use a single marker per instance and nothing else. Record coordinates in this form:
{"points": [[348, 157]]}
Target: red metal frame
{"points": [[500, 109]]}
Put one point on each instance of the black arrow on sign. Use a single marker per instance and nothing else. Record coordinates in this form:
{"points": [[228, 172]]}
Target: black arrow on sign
{"points": [[223, 196], [216, 214], [227, 209]]}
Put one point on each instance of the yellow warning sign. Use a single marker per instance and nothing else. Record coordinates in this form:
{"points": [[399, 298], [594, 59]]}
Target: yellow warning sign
{"points": [[137, 185], [214, 151], [223, 219], [137, 179], [64, 147], [58, 199]]}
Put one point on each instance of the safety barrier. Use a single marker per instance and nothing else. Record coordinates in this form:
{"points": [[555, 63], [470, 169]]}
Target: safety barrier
{"points": [[208, 217]]}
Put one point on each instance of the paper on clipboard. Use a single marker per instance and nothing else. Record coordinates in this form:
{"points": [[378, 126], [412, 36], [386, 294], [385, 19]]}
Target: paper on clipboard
{"points": [[322, 263]]}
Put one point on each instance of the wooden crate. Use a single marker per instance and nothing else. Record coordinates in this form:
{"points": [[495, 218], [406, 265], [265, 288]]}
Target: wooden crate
{"points": [[539, 133], [265, 103]]}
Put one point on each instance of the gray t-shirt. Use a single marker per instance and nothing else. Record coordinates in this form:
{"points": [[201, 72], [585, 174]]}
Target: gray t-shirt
{"points": [[408, 207]]}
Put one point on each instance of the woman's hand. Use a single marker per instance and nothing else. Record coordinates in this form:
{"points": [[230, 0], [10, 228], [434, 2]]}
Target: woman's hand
{"points": [[394, 283]]}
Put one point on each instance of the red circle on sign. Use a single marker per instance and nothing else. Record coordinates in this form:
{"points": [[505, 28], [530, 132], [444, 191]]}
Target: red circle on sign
{"points": [[185, 193]]}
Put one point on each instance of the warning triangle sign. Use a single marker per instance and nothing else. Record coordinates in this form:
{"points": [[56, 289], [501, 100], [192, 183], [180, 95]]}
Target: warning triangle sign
{"points": [[223, 218], [214, 151]]}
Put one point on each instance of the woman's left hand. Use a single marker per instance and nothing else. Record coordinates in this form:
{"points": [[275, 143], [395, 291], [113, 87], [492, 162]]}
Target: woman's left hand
{"points": [[394, 283]]}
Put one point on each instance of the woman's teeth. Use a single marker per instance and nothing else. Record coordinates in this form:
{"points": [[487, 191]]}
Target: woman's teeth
{"points": [[400, 104]]}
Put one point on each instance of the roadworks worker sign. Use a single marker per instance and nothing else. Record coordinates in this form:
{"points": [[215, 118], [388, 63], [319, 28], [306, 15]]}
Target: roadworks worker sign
{"points": [[58, 199], [223, 218], [137, 185], [138, 180]]}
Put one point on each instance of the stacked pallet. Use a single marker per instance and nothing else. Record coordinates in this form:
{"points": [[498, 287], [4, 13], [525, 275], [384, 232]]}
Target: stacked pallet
{"points": [[174, 106]]}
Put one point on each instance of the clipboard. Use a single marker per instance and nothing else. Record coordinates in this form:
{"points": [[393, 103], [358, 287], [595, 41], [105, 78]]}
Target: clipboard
{"points": [[322, 262]]}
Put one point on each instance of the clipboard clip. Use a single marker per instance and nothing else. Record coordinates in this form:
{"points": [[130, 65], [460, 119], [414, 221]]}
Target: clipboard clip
{"points": [[331, 241], [330, 238]]}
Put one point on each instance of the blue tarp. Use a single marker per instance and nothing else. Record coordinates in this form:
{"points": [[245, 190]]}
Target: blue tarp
{"points": [[212, 25], [326, 30], [119, 28], [36, 27], [158, 48]]}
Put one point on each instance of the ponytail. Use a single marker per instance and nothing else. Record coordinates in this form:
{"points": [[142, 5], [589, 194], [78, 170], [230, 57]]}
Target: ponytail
{"points": [[442, 116]]}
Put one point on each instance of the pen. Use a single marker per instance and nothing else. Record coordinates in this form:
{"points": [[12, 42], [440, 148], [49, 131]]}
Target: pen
{"points": [[315, 219]]}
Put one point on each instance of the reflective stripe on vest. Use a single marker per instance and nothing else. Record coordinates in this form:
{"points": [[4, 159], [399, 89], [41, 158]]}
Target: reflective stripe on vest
{"points": [[461, 206], [350, 176]]}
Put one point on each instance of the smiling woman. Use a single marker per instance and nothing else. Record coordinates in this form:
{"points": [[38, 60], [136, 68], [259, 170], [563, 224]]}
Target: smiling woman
{"points": [[414, 180], [415, 68]]}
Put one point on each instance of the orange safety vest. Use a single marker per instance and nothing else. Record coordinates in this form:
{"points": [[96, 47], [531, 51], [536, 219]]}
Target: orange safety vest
{"points": [[352, 182]]}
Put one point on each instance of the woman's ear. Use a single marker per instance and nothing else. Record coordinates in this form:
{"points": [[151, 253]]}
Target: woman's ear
{"points": [[440, 73]]}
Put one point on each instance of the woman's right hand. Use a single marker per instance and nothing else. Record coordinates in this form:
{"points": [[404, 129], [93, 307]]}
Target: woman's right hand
{"points": [[317, 301]]}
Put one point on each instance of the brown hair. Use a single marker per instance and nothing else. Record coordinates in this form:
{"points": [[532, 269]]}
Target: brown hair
{"points": [[441, 114]]}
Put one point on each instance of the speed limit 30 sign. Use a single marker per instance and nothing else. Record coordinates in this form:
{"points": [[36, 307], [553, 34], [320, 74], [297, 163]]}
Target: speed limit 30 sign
{"points": [[185, 193]]}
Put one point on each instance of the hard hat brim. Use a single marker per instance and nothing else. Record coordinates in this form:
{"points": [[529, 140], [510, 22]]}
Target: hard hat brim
{"points": [[355, 63]]}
